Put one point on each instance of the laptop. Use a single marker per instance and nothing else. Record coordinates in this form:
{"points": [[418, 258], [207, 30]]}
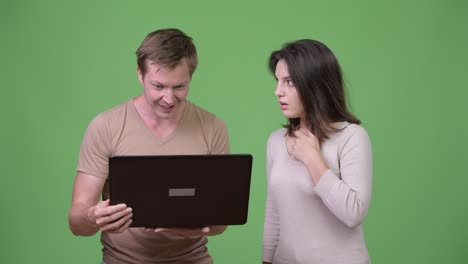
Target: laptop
{"points": [[182, 190]]}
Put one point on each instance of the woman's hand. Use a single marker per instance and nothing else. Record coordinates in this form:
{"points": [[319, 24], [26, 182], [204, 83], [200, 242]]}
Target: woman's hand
{"points": [[305, 148]]}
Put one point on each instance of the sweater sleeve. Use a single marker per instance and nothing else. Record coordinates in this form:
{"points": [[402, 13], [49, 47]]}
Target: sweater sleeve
{"points": [[271, 226], [348, 198]]}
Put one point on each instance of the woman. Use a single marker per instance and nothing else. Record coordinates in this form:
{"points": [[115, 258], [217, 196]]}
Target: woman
{"points": [[319, 166]]}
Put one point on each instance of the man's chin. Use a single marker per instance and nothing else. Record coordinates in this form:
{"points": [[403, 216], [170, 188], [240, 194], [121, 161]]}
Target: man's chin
{"points": [[165, 115], [166, 111]]}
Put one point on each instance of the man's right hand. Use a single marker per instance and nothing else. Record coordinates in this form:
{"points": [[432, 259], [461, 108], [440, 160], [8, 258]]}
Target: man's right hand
{"points": [[110, 218]]}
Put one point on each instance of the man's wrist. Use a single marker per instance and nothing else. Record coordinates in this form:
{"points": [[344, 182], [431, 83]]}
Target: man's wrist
{"points": [[91, 218]]}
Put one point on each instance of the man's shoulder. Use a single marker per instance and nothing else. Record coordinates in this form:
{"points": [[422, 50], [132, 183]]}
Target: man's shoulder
{"points": [[112, 115], [203, 115], [117, 110]]}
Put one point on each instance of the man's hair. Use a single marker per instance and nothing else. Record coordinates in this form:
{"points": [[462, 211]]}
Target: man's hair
{"points": [[167, 47], [316, 74]]}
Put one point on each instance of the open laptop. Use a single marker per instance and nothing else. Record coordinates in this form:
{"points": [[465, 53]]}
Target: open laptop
{"points": [[182, 190]]}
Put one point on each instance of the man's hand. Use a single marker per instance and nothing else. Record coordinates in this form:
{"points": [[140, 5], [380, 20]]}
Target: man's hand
{"points": [[110, 218], [204, 231]]}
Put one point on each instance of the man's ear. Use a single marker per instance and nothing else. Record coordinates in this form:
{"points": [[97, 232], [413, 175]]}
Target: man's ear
{"points": [[139, 74]]}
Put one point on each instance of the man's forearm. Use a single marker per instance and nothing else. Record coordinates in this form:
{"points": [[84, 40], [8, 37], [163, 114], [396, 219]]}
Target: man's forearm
{"points": [[79, 222]]}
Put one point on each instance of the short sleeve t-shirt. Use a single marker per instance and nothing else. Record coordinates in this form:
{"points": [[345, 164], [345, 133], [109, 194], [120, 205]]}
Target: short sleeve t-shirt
{"points": [[121, 131]]}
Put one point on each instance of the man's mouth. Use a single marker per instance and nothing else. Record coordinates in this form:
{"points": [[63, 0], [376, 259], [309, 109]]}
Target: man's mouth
{"points": [[167, 106]]}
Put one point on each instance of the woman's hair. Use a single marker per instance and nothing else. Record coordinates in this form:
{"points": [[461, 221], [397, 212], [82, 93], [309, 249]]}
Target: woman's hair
{"points": [[317, 77], [167, 47]]}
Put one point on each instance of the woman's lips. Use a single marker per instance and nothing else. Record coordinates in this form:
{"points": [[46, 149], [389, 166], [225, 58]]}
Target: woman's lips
{"points": [[283, 106]]}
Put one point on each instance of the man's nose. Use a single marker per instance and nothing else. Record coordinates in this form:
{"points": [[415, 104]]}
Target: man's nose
{"points": [[169, 97]]}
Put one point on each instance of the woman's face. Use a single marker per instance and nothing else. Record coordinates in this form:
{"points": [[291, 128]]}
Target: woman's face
{"points": [[286, 92]]}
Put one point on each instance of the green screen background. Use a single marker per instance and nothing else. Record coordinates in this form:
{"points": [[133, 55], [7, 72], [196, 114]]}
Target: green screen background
{"points": [[405, 67]]}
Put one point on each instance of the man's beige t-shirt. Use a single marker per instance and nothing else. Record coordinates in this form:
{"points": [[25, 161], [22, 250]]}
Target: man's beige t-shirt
{"points": [[121, 131]]}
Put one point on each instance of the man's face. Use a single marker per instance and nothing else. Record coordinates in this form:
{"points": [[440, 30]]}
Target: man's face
{"points": [[165, 90]]}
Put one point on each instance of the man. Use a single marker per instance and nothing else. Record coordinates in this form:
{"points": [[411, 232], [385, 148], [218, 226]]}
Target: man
{"points": [[160, 121]]}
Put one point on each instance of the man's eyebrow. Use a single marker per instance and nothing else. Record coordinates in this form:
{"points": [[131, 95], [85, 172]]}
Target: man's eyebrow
{"points": [[162, 84]]}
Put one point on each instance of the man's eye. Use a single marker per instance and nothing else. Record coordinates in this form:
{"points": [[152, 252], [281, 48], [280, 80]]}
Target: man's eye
{"points": [[179, 87], [158, 87]]}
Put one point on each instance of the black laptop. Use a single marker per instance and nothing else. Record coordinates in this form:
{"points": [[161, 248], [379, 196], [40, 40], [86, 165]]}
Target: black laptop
{"points": [[182, 190]]}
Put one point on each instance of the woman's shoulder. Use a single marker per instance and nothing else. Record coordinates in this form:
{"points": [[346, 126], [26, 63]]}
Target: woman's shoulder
{"points": [[277, 134], [349, 132], [356, 130], [346, 128], [276, 138], [275, 142]]}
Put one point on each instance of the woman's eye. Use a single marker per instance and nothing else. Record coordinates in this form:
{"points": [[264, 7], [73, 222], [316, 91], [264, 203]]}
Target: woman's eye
{"points": [[289, 83]]}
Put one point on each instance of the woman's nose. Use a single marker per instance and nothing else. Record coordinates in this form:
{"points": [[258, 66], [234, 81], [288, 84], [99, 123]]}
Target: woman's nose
{"points": [[278, 90]]}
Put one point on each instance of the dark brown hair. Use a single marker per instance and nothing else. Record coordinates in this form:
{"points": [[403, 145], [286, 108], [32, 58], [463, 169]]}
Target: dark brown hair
{"points": [[167, 47], [317, 77]]}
